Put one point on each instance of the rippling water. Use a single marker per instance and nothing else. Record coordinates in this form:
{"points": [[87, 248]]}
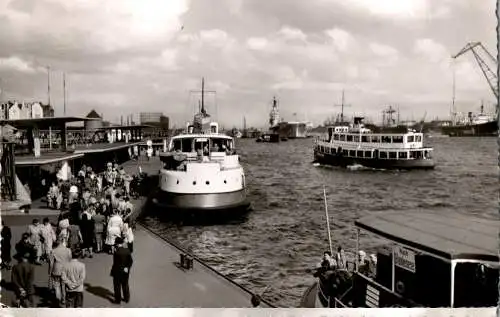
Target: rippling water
{"points": [[286, 232]]}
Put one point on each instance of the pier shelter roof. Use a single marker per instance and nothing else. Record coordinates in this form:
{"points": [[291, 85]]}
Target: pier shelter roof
{"points": [[42, 123], [46, 158], [442, 233]]}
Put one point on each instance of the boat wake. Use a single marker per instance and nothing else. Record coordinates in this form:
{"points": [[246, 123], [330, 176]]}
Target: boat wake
{"points": [[357, 167]]}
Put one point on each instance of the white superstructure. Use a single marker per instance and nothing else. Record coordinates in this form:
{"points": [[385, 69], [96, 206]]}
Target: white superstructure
{"points": [[201, 169]]}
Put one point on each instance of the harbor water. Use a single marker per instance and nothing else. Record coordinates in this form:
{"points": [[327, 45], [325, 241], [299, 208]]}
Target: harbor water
{"points": [[286, 232]]}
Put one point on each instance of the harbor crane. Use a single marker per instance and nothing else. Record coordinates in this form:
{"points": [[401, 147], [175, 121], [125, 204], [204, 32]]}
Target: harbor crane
{"points": [[481, 54]]}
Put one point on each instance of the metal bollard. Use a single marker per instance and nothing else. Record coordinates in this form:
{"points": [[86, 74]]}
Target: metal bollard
{"points": [[186, 261]]}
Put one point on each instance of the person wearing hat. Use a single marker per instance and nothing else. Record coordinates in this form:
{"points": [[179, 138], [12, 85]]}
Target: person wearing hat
{"points": [[120, 271], [23, 276]]}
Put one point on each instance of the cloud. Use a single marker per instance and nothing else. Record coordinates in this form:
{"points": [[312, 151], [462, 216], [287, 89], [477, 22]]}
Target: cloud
{"points": [[121, 54], [290, 33], [431, 50], [17, 64], [342, 40], [388, 54]]}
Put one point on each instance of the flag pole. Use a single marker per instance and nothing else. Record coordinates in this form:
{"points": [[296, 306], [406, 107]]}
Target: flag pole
{"points": [[327, 221]]}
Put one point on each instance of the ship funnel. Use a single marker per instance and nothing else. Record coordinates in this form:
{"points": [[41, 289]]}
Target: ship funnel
{"points": [[214, 127]]}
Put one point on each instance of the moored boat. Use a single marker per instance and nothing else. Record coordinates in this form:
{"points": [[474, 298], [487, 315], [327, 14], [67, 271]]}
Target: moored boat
{"points": [[202, 172], [354, 144], [428, 259]]}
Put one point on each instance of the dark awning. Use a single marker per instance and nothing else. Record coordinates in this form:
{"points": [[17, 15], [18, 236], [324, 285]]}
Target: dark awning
{"points": [[445, 233]]}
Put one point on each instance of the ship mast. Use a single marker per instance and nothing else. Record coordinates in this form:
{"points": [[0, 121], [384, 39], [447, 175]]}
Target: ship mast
{"points": [[342, 111], [64, 91], [203, 95]]}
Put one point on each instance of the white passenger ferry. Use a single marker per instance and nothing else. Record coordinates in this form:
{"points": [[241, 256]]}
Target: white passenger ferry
{"points": [[354, 144], [201, 170]]}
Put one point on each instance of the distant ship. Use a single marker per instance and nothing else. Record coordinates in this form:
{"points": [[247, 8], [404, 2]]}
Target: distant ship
{"points": [[480, 124], [287, 129]]}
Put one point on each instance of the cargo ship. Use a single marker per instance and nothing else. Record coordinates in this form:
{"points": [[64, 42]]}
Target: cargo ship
{"points": [[287, 129], [480, 124]]}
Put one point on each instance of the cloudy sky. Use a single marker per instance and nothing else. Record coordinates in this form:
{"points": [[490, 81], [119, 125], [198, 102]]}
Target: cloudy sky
{"points": [[126, 56]]}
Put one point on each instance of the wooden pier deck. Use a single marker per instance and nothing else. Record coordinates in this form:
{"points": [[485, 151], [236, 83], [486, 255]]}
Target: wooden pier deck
{"points": [[156, 279]]}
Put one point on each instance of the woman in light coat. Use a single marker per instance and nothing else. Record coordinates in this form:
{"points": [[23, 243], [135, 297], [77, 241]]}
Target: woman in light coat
{"points": [[115, 227]]}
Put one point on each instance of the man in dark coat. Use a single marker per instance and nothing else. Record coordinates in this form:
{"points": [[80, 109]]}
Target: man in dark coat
{"points": [[122, 262], [23, 275], [24, 246], [5, 247]]}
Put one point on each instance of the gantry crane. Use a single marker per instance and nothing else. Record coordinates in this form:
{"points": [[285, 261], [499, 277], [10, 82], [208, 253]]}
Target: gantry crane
{"points": [[491, 77]]}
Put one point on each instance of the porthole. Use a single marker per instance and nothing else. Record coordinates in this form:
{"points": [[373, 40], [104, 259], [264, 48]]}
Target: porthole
{"points": [[177, 182], [225, 181], [194, 183], [207, 182]]}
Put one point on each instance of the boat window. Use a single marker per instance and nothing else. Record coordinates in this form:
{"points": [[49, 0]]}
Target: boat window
{"points": [[359, 154], [187, 145], [393, 155], [349, 138], [418, 138], [345, 152], [403, 155], [416, 154], [410, 138], [386, 139], [176, 145], [333, 150], [352, 153], [397, 139], [201, 144], [427, 154], [356, 138], [342, 137], [476, 285], [383, 154], [375, 139], [365, 138], [336, 137], [368, 154]]}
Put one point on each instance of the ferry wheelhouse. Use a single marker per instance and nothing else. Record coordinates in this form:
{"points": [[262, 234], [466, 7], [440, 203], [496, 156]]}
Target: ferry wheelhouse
{"points": [[424, 260], [353, 144], [201, 170]]}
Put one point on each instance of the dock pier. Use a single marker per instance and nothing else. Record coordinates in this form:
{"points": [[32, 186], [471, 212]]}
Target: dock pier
{"points": [[156, 278]]}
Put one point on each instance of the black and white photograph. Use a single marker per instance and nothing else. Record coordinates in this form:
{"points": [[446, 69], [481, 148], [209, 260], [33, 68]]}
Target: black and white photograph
{"points": [[249, 154]]}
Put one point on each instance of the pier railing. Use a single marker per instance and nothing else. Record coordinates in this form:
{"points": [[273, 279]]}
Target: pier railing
{"points": [[51, 140]]}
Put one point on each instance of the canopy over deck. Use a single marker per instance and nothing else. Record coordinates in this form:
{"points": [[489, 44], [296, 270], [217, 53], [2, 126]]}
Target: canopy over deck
{"points": [[444, 233]]}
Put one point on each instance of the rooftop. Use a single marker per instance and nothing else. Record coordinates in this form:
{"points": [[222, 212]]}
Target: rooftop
{"points": [[445, 234]]}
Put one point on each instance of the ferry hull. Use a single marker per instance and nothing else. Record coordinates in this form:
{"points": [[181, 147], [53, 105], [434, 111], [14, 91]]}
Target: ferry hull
{"points": [[342, 161], [219, 205]]}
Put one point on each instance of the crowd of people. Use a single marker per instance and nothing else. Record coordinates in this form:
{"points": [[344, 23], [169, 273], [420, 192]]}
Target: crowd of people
{"points": [[94, 218]]}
